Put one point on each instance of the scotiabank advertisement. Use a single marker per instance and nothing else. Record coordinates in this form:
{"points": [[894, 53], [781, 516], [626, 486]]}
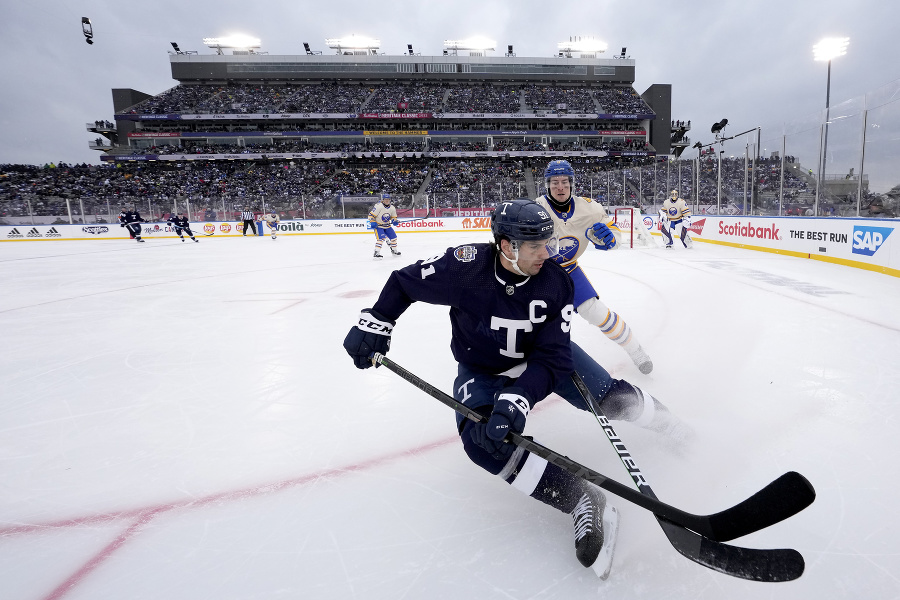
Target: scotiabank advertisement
{"points": [[872, 243]]}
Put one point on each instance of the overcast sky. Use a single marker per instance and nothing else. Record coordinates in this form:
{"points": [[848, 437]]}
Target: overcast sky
{"points": [[750, 62]]}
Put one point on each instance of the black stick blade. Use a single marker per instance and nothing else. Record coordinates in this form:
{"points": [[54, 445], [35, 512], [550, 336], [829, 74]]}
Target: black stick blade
{"points": [[746, 563], [783, 498]]}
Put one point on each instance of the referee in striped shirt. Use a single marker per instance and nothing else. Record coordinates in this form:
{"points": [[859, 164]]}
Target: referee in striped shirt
{"points": [[249, 225]]}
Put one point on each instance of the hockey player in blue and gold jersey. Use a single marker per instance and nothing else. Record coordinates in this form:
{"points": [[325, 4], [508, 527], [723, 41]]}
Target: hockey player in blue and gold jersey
{"points": [[510, 316], [675, 213], [581, 223], [382, 218]]}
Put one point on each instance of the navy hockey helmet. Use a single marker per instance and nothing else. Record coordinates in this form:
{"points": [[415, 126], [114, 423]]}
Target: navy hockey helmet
{"points": [[521, 220]]}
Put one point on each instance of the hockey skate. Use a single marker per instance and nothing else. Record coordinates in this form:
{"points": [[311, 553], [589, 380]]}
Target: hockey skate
{"points": [[377, 255], [596, 525], [195, 239], [641, 360], [395, 252]]}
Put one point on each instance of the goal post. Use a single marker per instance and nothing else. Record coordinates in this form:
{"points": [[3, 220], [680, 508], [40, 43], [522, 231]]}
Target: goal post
{"points": [[635, 228]]}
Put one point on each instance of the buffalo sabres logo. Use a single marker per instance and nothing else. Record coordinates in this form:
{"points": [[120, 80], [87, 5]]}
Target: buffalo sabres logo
{"points": [[568, 248]]}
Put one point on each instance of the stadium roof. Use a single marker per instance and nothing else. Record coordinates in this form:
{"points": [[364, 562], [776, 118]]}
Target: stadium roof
{"points": [[194, 68]]}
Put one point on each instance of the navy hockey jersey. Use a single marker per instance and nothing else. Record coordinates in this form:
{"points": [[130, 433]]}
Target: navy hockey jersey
{"points": [[493, 330], [179, 222], [129, 216]]}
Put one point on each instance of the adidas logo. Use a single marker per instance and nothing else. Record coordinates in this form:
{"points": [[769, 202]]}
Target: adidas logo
{"points": [[14, 233], [53, 233], [34, 233]]}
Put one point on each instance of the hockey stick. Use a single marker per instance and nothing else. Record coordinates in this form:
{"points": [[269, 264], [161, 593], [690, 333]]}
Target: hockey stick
{"points": [[784, 497], [747, 563]]}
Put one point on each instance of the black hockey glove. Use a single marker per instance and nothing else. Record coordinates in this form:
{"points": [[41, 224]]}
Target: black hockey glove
{"points": [[370, 335], [511, 407], [601, 236]]}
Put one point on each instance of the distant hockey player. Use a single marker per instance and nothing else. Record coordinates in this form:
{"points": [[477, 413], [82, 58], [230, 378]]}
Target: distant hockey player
{"points": [[130, 218], [510, 316], [675, 213], [181, 224], [579, 221], [272, 220], [382, 218]]}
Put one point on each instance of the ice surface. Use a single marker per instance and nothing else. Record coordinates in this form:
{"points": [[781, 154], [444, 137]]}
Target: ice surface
{"points": [[180, 421]]}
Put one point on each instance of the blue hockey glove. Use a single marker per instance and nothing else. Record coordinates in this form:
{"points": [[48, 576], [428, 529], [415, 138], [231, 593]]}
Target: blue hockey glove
{"points": [[370, 335], [395, 222], [601, 236], [370, 225], [511, 407]]}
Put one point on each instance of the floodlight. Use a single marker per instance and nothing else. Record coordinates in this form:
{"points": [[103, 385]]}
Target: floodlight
{"points": [[87, 30], [697, 145], [306, 47], [473, 43], [717, 127], [623, 52], [588, 45], [509, 50], [830, 48], [175, 47], [409, 46], [237, 40], [353, 44]]}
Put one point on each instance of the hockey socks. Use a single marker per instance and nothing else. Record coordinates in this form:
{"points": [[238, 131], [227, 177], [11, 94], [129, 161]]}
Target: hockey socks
{"points": [[595, 522]]}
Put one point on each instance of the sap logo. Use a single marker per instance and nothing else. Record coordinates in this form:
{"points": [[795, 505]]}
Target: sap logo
{"points": [[867, 240]]}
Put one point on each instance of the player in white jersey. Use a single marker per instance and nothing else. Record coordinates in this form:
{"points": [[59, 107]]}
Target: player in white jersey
{"points": [[382, 218], [580, 221], [272, 220], [675, 213]]}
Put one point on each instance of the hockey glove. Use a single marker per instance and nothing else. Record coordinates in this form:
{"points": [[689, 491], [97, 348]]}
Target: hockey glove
{"points": [[511, 407], [601, 236], [370, 225], [370, 335], [395, 222]]}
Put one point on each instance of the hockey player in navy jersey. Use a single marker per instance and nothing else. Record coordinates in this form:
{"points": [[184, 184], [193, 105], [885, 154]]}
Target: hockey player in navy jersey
{"points": [[131, 219], [180, 223], [510, 314]]}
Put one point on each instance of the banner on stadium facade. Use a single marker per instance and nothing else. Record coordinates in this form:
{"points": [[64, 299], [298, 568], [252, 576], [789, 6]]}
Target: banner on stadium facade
{"points": [[158, 134], [368, 154], [391, 132], [388, 115]]}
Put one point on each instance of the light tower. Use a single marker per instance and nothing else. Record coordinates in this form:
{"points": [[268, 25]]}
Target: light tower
{"points": [[826, 50]]}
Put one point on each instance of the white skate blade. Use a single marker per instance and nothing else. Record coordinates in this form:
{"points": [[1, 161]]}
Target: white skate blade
{"points": [[603, 564]]}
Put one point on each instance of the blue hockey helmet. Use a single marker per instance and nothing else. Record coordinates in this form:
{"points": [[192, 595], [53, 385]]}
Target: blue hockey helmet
{"points": [[559, 167]]}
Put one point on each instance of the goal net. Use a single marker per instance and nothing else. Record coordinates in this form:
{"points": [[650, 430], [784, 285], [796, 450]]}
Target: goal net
{"points": [[635, 228]]}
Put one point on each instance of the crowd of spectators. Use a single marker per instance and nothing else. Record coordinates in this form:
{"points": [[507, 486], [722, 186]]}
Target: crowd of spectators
{"points": [[621, 100], [559, 98], [415, 97], [311, 187], [484, 98]]}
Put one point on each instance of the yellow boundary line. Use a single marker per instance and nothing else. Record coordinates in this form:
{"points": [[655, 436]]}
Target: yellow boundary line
{"points": [[828, 259]]}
